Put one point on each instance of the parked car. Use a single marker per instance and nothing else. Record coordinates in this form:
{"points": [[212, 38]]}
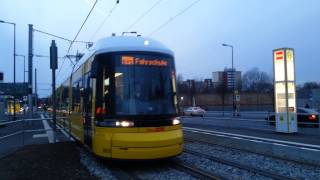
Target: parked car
{"points": [[194, 111], [305, 117]]}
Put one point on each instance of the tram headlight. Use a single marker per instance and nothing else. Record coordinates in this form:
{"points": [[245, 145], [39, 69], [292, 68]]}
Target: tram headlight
{"points": [[124, 124], [175, 121]]}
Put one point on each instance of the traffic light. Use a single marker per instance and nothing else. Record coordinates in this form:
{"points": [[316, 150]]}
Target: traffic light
{"points": [[53, 55], [1, 76]]}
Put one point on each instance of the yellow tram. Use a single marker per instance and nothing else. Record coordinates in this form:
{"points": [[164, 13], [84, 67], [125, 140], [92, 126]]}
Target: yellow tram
{"points": [[10, 106], [122, 101]]}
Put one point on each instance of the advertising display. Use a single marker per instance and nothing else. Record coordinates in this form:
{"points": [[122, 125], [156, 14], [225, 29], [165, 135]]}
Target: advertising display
{"points": [[285, 90]]}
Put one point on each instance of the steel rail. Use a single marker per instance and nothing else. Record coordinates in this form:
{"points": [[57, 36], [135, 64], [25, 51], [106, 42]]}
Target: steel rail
{"points": [[251, 138], [247, 151], [193, 171], [239, 165]]}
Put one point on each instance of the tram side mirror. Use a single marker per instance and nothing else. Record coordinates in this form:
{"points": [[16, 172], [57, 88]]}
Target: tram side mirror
{"points": [[94, 69]]}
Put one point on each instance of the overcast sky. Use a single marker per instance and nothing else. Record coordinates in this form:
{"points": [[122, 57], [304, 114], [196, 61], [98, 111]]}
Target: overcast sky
{"points": [[253, 27]]}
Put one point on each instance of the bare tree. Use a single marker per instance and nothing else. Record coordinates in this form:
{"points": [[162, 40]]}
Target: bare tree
{"points": [[256, 81]]}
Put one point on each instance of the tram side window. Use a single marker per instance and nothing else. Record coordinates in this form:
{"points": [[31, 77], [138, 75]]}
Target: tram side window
{"points": [[76, 96], [64, 98], [87, 93], [106, 91], [105, 88]]}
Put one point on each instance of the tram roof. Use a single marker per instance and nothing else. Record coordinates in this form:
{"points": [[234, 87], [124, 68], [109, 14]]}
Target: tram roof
{"points": [[130, 43], [125, 43]]}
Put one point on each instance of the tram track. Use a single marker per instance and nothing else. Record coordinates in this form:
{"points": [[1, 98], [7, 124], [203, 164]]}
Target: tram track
{"points": [[123, 173], [237, 165], [192, 140], [194, 171], [131, 173], [298, 145]]}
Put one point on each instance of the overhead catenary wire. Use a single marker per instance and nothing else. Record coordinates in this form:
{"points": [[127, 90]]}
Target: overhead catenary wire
{"points": [[44, 56], [172, 18], [71, 43], [82, 26], [59, 37], [49, 89], [100, 26], [43, 83], [104, 20], [143, 15]]}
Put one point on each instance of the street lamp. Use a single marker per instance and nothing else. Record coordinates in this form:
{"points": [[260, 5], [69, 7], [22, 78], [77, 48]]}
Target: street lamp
{"points": [[24, 66], [234, 78], [14, 66]]}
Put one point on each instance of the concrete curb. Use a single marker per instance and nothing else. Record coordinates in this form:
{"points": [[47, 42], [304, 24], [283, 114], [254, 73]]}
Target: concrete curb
{"points": [[297, 154]]}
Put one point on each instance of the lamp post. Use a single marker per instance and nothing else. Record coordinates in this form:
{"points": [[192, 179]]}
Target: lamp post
{"points": [[14, 66], [24, 66], [233, 77]]}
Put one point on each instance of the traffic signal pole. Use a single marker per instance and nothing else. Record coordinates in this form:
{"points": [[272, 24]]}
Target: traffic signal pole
{"points": [[53, 67]]}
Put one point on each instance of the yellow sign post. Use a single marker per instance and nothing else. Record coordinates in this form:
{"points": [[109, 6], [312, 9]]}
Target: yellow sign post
{"points": [[285, 90]]}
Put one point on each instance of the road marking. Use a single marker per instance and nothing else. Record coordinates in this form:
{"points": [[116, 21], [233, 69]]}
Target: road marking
{"points": [[265, 140], [226, 124], [238, 119], [39, 135], [63, 131], [49, 131]]}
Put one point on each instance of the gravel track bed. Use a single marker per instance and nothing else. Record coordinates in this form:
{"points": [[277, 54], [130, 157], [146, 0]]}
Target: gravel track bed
{"points": [[278, 166], [151, 170], [94, 167], [163, 173], [225, 171]]}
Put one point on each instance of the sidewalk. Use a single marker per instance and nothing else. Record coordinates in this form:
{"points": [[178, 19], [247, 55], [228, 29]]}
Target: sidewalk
{"points": [[47, 161]]}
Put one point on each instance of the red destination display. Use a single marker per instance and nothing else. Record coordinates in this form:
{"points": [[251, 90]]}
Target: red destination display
{"points": [[130, 60]]}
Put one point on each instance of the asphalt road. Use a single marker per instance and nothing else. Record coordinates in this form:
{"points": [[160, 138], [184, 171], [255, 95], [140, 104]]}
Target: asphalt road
{"points": [[252, 127], [36, 135]]}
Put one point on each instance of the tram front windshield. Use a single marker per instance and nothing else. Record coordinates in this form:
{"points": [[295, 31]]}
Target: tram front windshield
{"points": [[144, 85]]}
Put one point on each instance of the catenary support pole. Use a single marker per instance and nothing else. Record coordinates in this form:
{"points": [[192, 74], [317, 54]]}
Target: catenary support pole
{"points": [[35, 88], [30, 63]]}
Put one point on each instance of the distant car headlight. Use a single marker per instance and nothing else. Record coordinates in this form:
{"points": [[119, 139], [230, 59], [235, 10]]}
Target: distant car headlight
{"points": [[175, 121]]}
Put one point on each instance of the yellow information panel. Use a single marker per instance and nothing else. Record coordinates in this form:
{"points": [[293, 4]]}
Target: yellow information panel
{"points": [[284, 90]]}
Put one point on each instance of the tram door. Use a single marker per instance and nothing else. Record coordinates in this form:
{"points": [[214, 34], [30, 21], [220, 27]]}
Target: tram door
{"points": [[87, 97]]}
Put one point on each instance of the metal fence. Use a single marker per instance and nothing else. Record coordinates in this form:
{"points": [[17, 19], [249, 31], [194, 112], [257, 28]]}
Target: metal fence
{"points": [[22, 132]]}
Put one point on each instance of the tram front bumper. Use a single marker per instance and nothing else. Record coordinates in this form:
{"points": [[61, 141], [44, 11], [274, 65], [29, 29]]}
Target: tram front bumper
{"points": [[145, 153], [147, 145], [137, 143]]}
